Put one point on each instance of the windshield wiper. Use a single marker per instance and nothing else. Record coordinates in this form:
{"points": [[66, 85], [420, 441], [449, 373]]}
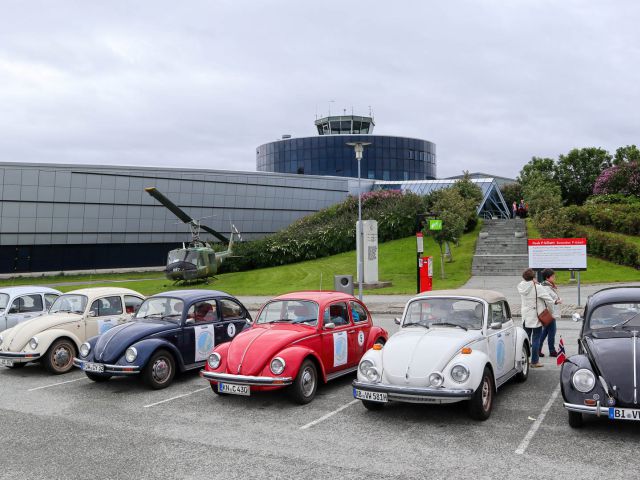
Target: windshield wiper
{"points": [[448, 324], [417, 324], [281, 320], [624, 322], [302, 320]]}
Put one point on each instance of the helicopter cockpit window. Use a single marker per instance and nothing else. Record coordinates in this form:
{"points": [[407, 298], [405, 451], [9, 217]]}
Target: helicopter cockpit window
{"points": [[192, 257], [176, 256], [166, 308]]}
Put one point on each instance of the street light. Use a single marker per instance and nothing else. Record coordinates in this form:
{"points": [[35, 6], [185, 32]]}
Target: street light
{"points": [[358, 147]]}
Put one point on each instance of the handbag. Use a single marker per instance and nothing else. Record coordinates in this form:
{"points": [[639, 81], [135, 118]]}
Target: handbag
{"points": [[545, 316]]}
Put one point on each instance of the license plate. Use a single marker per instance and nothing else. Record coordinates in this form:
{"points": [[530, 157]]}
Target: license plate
{"points": [[234, 389], [624, 414], [370, 396], [6, 363], [93, 367]]}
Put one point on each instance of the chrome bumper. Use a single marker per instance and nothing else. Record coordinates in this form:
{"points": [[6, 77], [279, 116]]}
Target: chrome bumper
{"points": [[245, 379], [110, 369], [415, 394], [18, 357], [597, 410]]}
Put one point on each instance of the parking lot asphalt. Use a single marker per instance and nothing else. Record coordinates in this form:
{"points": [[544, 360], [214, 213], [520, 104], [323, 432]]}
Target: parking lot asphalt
{"points": [[69, 427]]}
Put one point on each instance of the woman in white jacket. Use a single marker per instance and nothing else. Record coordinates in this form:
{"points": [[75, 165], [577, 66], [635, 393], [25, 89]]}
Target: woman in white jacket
{"points": [[549, 332], [534, 300]]}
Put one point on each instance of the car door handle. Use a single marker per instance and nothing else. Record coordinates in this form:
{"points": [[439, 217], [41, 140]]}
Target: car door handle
{"points": [[499, 335], [507, 334], [219, 326], [352, 331]]}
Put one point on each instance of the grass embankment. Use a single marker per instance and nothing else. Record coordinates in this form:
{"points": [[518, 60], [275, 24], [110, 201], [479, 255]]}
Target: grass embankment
{"points": [[598, 270], [397, 263]]}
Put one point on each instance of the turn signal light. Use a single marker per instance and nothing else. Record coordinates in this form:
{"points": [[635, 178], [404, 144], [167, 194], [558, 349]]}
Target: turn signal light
{"points": [[377, 346], [466, 350], [590, 402]]}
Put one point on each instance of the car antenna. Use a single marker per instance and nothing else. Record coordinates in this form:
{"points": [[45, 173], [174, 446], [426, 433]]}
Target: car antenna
{"points": [[320, 281]]}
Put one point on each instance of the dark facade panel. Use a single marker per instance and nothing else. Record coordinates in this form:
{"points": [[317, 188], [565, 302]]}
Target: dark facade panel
{"points": [[387, 158]]}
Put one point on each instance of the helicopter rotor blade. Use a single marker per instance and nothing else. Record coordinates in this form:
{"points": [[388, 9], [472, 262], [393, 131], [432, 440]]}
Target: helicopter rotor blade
{"points": [[215, 233], [153, 191]]}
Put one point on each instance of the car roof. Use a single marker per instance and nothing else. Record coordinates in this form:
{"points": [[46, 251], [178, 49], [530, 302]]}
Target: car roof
{"points": [[316, 296], [28, 289], [193, 295], [613, 295], [100, 291], [489, 296]]}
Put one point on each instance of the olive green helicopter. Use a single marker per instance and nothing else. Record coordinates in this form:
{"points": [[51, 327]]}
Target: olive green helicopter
{"points": [[197, 260]]}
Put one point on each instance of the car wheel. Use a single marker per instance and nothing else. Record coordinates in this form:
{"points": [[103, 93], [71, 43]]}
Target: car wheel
{"points": [[160, 370], [97, 378], [214, 387], [524, 358], [380, 341], [59, 357], [373, 406], [481, 403], [304, 387], [575, 419]]}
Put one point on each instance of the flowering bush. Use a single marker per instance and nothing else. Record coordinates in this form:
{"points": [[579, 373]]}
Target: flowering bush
{"points": [[623, 178]]}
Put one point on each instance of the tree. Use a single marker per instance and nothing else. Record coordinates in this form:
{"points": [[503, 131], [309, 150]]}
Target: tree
{"points": [[542, 194], [537, 166], [577, 171], [628, 154], [472, 196], [452, 209], [511, 192]]}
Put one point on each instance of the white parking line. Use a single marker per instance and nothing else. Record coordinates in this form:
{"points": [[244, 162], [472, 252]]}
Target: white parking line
{"points": [[536, 425], [328, 415], [56, 384], [176, 397]]}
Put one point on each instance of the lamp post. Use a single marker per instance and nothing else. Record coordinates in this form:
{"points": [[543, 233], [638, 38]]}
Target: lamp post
{"points": [[359, 149]]}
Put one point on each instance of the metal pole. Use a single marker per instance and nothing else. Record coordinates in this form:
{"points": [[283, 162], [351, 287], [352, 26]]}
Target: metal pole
{"points": [[578, 287], [418, 273], [360, 235]]}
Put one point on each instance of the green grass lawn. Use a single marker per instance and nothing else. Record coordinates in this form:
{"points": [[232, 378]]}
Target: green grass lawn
{"points": [[397, 263], [598, 270]]}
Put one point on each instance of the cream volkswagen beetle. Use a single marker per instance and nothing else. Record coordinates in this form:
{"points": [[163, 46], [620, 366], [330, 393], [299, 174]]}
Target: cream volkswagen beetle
{"points": [[453, 345], [54, 339]]}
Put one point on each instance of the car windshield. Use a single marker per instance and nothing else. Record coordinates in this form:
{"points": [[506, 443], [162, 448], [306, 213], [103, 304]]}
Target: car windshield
{"points": [[447, 312], [69, 303], [166, 308], [292, 311], [4, 300], [618, 315]]}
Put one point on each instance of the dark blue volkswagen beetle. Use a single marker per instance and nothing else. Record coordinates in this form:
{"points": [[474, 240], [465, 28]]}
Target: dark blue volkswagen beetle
{"points": [[171, 331]]}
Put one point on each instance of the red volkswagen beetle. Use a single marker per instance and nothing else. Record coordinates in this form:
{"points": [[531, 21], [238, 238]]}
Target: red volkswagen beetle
{"points": [[297, 340]]}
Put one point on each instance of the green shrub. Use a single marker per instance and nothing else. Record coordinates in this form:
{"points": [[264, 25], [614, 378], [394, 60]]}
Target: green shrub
{"points": [[613, 198], [617, 218], [610, 247]]}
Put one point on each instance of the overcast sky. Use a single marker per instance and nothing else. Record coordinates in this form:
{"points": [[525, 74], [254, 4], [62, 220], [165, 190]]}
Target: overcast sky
{"points": [[202, 83]]}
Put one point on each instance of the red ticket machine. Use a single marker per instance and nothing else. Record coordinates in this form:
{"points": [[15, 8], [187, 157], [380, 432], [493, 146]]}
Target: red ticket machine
{"points": [[426, 274]]}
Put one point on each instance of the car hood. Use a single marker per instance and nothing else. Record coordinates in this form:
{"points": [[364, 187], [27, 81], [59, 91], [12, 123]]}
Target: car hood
{"points": [[16, 337], [250, 351], [112, 344], [412, 354], [614, 358]]}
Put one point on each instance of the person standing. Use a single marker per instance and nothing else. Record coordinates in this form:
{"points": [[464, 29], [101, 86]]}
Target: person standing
{"points": [[514, 209], [534, 300], [549, 332]]}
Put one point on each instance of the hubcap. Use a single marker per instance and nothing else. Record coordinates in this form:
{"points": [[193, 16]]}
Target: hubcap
{"points": [[486, 394], [161, 370], [308, 381], [61, 357]]}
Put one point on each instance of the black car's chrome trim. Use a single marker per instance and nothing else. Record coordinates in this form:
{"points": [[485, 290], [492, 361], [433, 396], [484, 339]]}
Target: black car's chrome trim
{"points": [[597, 410], [457, 393], [635, 376], [113, 369], [246, 379], [341, 373]]}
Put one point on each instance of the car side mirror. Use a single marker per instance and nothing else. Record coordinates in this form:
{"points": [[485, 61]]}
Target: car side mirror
{"points": [[329, 326], [397, 320], [576, 317], [190, 321], [92, 314], [496, 326]]}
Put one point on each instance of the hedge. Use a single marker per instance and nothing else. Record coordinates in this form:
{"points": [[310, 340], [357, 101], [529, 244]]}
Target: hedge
{"points": [[608, 217], [610, 247]]}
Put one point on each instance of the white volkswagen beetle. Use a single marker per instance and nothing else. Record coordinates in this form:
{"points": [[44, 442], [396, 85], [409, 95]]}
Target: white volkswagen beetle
{"points": [[55, 338], [453, 345], [18, 304]]}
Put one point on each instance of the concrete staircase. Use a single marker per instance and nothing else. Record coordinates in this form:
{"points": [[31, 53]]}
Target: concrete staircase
{"points": [[501, 248]]}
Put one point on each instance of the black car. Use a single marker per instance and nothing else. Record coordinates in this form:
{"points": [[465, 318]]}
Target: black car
{"points": [[602, 379], [170, 332]]}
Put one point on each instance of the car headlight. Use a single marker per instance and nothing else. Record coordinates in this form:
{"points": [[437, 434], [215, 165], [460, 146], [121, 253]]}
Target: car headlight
{"points": [[85, 348], [369, 371], [131, 354], [459, 373], [583, 380], [33, 343], [214, 360], [436, 379], [277, 366]]}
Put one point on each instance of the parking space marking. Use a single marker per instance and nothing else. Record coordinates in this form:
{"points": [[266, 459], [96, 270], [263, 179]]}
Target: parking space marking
{"points": [[176, 397], [536, 425], [328, 415], [56, 384]]}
